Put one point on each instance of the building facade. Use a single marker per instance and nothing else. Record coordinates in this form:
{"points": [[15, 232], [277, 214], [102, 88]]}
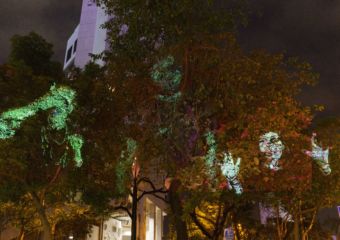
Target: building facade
{"points": [[89, 37]]}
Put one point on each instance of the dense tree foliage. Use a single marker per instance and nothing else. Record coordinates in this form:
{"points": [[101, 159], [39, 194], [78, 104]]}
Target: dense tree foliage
{"points": [[234, 95], [32, 178], [177, 84]]}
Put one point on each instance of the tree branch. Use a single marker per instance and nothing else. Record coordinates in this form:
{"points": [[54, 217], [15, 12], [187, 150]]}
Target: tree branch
{"points": [[221, 224], [311, 224], [56, 175], [124, 209], [153, 192], [205, 218], [199, 224], [146, 180], [161, 198]]}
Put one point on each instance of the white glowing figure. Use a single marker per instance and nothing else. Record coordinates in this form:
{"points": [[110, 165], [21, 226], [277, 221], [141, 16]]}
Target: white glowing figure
{"points": [[320, 156], [272, 147], [231, 170]]}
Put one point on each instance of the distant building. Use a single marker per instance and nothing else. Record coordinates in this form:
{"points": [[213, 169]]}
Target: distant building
{"points": [[88, 37]]}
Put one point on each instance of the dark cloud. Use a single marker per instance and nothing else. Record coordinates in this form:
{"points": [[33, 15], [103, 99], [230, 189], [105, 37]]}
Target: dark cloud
{"points": [[53, 19], [309, 29]]}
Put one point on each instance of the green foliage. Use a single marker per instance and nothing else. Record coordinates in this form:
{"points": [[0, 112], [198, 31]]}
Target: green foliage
{"points": [[219, 89], [61, 99], [34, 52], [29, 73], [152, 24], [24, 167], [237, 96], [76, 141], [124, 165], [210, 157], [168, 80], [98, 119]]}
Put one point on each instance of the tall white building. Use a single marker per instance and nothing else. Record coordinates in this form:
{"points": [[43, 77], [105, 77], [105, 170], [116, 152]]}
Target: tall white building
{"points": [[88, 37]]}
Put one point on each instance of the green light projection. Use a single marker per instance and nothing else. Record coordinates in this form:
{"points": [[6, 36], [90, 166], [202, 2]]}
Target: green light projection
{"points": [[168, 78], [76, 141], [211, 153], [127, 157], [61, 101]]}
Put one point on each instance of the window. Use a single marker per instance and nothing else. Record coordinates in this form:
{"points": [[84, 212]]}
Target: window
{"points": [[69, 54], [75, 46]]}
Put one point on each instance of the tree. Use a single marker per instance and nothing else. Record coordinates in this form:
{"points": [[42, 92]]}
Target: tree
{"points": [[34, 52], [324, 190], [133, 53], [32, 163], [181, 59]]}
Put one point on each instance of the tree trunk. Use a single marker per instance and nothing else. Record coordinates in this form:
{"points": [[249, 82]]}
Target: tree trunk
{"points": [[306, 231], [134, 210], [177, 211], [221, 220], [47, 235], [296, 233], [21, 234]]}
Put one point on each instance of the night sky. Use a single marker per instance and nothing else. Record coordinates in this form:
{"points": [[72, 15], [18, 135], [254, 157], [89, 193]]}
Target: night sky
{"points": [[55, 20], [309, 29]]}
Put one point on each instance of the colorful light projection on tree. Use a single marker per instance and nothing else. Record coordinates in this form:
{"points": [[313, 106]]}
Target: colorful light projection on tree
{"points": [[231, 170], [211, 153], [61, 100], [168, 78], [272, 147], [320, 156], [124, 165]]}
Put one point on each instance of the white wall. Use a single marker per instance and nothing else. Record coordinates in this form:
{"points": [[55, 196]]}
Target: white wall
{"points": [[100, 35], [270, 212], [94, 234], [112, 230], [86, 33], [115, 229], [70, 43], [90, 36]]}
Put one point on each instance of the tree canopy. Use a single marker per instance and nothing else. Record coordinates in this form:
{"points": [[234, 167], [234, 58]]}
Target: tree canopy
{"points": [[176, 88], [220, 90], [33, 181]]}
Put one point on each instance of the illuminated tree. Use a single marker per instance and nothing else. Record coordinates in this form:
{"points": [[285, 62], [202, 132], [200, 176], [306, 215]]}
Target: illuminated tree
{"points": [[324, 190], [33, 157], [235, 96]]}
